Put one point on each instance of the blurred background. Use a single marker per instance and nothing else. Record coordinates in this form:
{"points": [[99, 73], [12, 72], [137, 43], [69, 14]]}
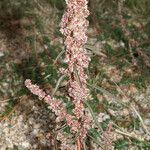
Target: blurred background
{"points": [[31, 46]]}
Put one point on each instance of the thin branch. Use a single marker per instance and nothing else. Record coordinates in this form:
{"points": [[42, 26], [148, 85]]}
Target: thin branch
{"points": [[57, 84]]}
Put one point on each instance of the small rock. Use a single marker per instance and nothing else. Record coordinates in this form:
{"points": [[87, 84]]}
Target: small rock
{"points": [[37, 126], [147, 122], [35, 131], [1, 54], [35, 146], [25, 144], [31, 120]]}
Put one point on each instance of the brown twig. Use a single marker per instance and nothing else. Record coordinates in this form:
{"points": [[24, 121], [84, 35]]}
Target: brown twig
{"points": [[5, 117], [79, 144]]}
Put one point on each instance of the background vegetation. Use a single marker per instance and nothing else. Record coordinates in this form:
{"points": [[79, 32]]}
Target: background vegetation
{"points": [[119, 45]]}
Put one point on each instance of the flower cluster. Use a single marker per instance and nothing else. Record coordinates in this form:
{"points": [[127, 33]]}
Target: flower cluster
{"points": [[74, 26], [55, 105]]}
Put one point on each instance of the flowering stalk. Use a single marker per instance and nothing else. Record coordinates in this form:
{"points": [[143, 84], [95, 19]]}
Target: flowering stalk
{"points": [[73, 27], [55, 105]]}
